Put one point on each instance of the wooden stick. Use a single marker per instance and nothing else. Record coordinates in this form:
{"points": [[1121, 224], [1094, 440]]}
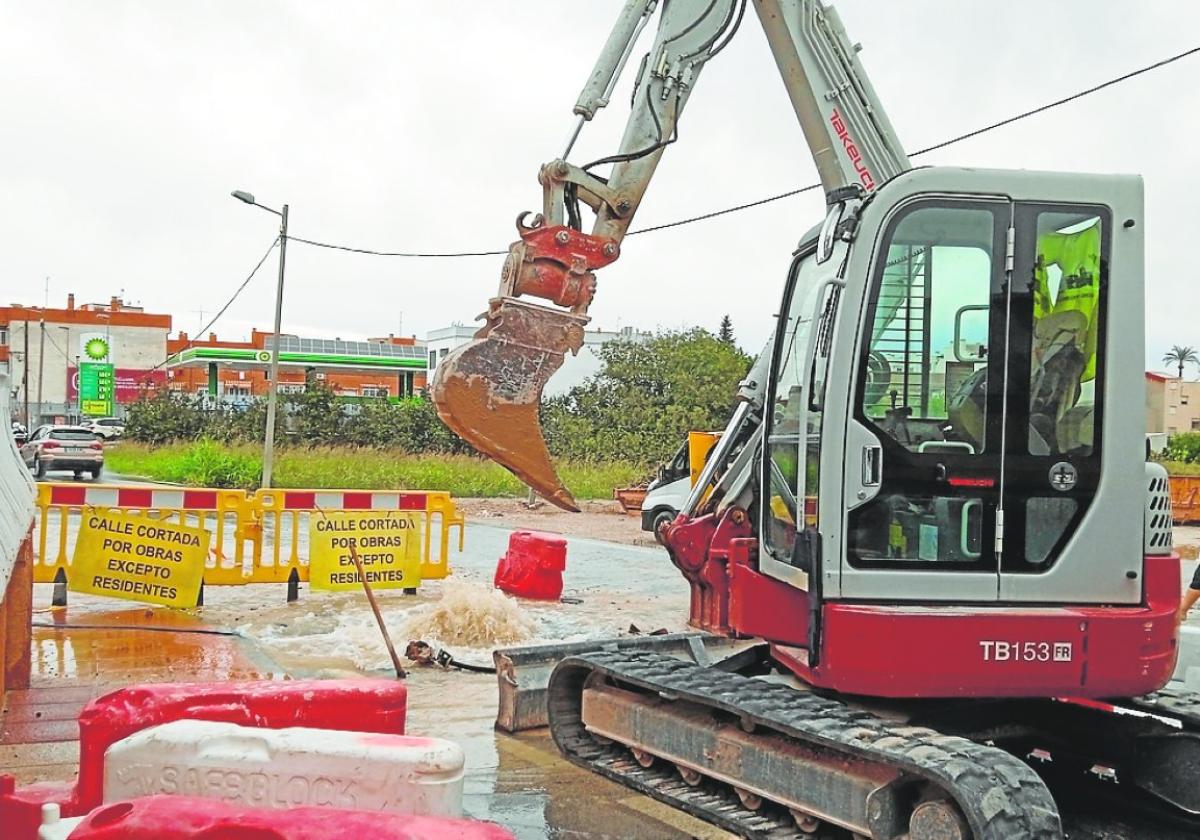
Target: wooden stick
{"points": [[362, 575], [387, 640]]}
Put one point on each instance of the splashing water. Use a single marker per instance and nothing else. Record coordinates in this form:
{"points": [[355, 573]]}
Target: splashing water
{"points": [[470, 615]]}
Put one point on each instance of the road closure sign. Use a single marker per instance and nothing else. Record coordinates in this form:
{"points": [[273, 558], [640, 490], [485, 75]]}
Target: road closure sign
{"points": [[139, 558], [388, 543]]}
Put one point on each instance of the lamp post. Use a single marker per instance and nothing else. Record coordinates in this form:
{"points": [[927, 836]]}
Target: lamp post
{"points": [[67, 371], [273, 385]]}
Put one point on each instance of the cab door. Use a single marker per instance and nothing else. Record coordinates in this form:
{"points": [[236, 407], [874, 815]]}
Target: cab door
{"points": [[925, 424], [1074, 488]]}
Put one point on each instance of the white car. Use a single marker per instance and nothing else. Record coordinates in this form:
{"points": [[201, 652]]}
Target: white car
{"points": [[106, 427]]}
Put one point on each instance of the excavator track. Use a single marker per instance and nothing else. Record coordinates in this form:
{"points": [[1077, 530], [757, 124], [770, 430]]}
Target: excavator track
{"points": [[995, 796]]}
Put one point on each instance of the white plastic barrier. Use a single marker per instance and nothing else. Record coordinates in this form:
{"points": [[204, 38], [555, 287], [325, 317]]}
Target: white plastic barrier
{"points": [[283, 768], [17, 494], [54, 826]]}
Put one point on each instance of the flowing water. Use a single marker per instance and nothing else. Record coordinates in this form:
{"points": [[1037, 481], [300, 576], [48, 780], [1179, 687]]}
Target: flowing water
{"points": [[470, 615]]}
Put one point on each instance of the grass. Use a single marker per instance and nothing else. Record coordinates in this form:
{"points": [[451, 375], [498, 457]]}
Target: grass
{"points": [[207, 464]]}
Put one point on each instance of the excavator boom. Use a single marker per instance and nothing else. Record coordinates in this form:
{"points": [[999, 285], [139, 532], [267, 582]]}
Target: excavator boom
{"points": [[489, 390]]}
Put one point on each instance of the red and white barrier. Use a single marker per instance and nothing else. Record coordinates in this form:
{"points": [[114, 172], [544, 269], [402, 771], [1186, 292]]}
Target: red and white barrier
{"points": [[360, 705], [133, 498], [351, 500], [288, 768]]}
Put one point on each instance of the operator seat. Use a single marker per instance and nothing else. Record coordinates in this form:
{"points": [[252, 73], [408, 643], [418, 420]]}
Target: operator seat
{"points": [[1058, 365]]}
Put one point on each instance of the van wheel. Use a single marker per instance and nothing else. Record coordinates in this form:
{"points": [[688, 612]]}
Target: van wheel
{"points": [[661, 520]]}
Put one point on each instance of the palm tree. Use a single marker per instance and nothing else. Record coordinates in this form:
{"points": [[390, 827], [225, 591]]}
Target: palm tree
{"points": [[1180, 356]]}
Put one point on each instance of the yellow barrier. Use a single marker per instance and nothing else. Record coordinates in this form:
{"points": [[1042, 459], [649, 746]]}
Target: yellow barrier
{"points": [[256, 537], [289, 512]]}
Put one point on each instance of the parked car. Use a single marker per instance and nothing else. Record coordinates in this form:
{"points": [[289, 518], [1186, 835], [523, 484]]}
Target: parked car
{"points": [[19, 432], [106, 427], [74, 449]]}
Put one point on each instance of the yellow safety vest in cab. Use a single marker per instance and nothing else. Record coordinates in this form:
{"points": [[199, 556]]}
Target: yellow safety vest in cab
{"points": [[1077, 257]]}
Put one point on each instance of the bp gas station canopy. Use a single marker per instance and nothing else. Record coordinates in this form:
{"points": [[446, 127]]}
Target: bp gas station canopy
{"points": [[317, 353]]}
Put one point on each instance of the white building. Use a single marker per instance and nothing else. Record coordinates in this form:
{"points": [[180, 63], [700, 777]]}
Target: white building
{"points": [[42, 349], [575, 369]]}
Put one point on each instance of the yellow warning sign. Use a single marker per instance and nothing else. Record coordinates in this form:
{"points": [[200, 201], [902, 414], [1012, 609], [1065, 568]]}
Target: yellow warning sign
{"points": [[388, 543], [137, 557]]}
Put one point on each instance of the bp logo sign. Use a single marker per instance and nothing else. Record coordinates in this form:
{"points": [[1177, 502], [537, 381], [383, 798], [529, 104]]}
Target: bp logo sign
{"points": [[96, 349], [264, 356]]}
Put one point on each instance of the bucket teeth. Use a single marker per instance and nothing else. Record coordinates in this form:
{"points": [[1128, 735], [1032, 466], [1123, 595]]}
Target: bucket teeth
{"points": [[489, 390]]}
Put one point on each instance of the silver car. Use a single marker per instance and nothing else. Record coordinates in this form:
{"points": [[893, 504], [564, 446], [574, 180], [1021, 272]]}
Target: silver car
{"points": [[73, 449]]}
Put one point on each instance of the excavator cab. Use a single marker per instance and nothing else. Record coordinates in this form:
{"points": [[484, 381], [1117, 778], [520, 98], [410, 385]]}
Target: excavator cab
{"points": [[949, 420]]}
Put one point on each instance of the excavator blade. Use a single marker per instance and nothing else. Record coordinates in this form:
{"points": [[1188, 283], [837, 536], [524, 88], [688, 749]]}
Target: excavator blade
{"points": [[489, 390]]}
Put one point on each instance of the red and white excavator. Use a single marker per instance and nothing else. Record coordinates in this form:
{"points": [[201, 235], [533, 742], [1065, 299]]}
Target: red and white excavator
{"points": [[931, 503]]}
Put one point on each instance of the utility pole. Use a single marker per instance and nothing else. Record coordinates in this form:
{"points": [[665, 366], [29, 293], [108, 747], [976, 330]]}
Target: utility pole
{"points": [[25, 373], [273, 386], [41, 361]]}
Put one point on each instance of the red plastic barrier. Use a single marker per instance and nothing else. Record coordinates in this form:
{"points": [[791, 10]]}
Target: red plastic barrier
{"points": [[359, 705], [189, 818], [533, 566]]}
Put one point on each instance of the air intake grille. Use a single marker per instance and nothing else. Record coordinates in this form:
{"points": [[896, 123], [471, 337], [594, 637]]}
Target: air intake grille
{"points": [[1158, 510]]}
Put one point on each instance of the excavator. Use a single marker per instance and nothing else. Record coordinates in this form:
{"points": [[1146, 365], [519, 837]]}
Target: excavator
{"points": [[930, 512]]}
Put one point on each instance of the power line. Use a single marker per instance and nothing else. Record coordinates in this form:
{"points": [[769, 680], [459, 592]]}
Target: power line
{"points": [[369, 252], [1163, 63], [739, 207], [220, 312]]}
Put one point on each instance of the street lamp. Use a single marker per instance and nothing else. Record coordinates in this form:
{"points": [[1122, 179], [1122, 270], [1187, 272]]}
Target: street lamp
{"points": [[273, 385]]}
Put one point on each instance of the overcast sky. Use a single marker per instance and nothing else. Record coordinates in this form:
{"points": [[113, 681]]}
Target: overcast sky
{"points": [[420, 126]]}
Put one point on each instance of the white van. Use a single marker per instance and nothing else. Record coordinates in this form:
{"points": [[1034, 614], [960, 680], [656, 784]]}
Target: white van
{"points": [[667, 493]]}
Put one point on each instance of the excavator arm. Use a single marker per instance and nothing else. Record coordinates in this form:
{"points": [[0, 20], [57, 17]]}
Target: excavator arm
{"points": [[489, 390]]}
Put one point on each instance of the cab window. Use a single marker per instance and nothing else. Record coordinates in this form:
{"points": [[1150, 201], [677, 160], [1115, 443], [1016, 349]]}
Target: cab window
{"points": [[1065, 293], [925, 370]]}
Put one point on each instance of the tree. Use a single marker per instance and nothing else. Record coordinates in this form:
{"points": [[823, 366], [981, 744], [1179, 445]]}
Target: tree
{"points": [[1180, 356], [646, 397], [725, 332]]}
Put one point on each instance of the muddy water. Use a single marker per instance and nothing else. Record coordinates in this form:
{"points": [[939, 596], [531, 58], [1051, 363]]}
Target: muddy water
{"points": [[520, 782]]}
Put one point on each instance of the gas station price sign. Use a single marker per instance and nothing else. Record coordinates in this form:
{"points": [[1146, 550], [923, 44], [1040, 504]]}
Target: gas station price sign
{"points": [[97, 388]]}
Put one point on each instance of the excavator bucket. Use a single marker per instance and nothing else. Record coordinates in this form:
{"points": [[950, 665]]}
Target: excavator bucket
{"points": [[489, 390]]}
